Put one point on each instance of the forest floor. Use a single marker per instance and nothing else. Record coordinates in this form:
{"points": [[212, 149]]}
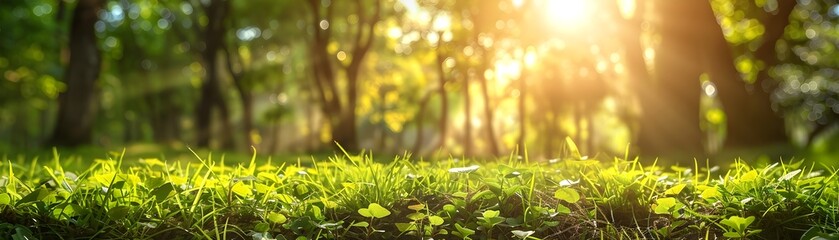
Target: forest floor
{"points": [[118, 195]]}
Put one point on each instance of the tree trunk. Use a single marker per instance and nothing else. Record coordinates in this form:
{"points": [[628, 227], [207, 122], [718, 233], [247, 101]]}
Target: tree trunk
{"points": [[750, 119], [522, 102], [346, 132], [671, 104], [744, 128], [420, 140], [77, 106], [245, 95], [247, 117], [211, 95], [489, 112], [444, 100], [467, 125]]}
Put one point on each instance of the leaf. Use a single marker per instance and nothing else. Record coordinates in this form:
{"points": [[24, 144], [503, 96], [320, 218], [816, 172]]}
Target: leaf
{"points": [[449, 208], [239, 188], [563, 209], [162, 192], [5, 199], [22, 233], [667, 205], [738, 223], [749, 176], [485, 194], [151, 162], [460, 194], [416, 216], [377, 211], [491, 214], [277, 218], [464, 232], [567, 194], [788, 176], [710, 192], [261, 227], [417, 207], [268, 176], [522, 234], [118, 212], [404, 227], [361, 224], [435, 220], [285, 198], [34, 196], [675, 190], [572, 147], [815, 233]]}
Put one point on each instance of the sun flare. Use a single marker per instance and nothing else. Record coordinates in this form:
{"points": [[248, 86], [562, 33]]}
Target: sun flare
{"points": [[567, 14]]}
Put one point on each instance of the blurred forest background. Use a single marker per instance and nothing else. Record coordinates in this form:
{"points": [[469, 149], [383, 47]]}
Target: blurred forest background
{"points": [[466, 77]]}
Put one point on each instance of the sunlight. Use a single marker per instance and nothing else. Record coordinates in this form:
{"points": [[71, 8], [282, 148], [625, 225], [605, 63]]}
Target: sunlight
{"points": [[567, 14], [507, 70]]}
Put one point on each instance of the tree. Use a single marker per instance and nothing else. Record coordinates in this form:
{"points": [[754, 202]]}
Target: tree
{"points": [[747, 103], [341, 113], [77, 106], [209, 39]]}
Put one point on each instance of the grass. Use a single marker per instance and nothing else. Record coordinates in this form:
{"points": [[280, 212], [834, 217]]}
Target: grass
{"points": [[354, 197]]}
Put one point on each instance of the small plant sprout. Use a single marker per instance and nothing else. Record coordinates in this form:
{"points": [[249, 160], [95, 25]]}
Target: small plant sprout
{"points": [[373, 211], [568, 195], [489, 219], [737, 227]]}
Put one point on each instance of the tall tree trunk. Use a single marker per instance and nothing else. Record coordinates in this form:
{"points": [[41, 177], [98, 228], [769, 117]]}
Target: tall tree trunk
{"points": [[522, 104], [77, 106], [211, 95], [420, 139], [444, 99], [467, 125], [247, 116], [751, 119], [671, 109], [244, 91], [346, 132], [489, 112]]}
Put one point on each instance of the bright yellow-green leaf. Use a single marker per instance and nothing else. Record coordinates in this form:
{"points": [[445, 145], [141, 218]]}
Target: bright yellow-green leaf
{"points": [[404, 227], [262, 188], [151, 162], [563, 209], [377, 211], [416, 216], [365, 212], [749, 176], [5, 199], [491, 214], [675, 189], [239, 188], [361, 224], [435, 220], [177, 180], [709, 193], [268, 176], [285, 198], [666, 205], [416, 207], [567, 194], [277, 218]]}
